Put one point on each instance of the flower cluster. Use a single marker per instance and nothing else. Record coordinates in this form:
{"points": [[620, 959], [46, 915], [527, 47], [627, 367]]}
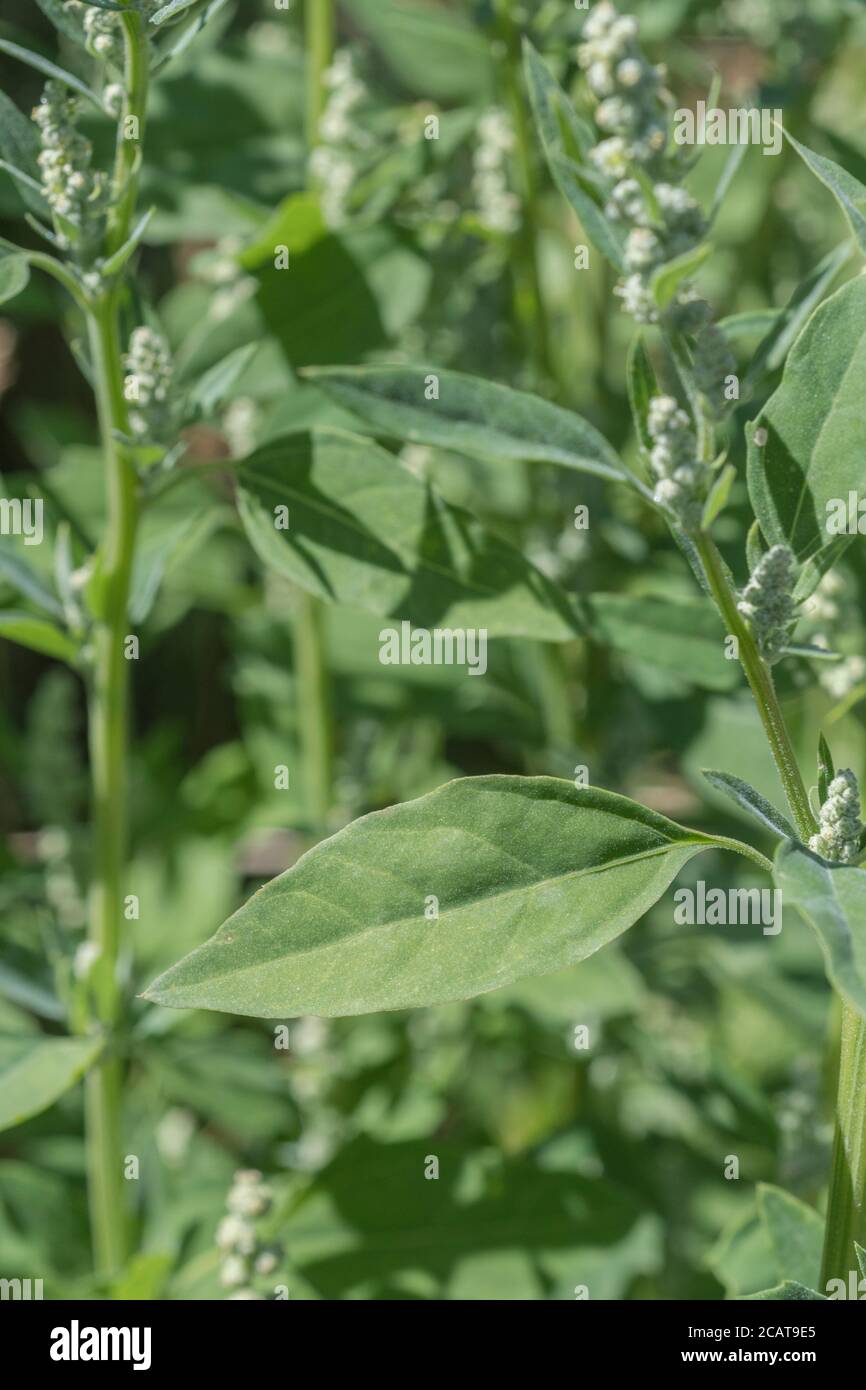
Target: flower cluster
{"points": [[839, 824], [767, 602], [681, 479], [147, 386], [238, 1237], [331, 162], [76, 193], [633, 113], [103, 36], [497, 207], [828, 608]]}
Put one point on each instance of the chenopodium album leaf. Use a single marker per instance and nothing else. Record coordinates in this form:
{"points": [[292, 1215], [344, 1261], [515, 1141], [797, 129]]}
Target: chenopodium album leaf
{"points": [[477, 884]]}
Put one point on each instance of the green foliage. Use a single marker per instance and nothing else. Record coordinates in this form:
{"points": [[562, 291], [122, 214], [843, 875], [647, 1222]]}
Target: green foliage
{"points": [[35, 1071]]}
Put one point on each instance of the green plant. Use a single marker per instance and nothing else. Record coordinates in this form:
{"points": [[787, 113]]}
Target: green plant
{"points": [[507, 861], [484, 882]]}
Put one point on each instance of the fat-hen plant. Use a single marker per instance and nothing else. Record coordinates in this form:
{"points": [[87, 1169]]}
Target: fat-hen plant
{"points": [[487, 880], [532, 874]]}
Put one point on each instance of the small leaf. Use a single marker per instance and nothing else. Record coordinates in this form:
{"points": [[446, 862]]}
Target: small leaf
{"points": [[826, 770], [35, 1072], [642, 386], [668, 278], [528, 875], [37, 634], [718, 496], [754, 547], [14, 276], [180, 38], [63, 20], [849, 192], [571, 183], [471, 416], [214, 387], [365, 531], [35, 60], [832, 899], [818, 565], [796, 1234], [751, 800], [861, 1258], [115, 263]]}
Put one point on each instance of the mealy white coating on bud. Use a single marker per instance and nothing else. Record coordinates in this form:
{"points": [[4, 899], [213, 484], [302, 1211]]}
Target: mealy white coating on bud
{"points": [[839, 823], [681, 478], [73, 190], [632, 110], [767, 602], [147, 385]]}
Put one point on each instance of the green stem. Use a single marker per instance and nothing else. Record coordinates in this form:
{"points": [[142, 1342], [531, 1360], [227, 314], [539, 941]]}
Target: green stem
{"points": [[761, 684], [319, 25], [313, 705], [108, 704], [530, 302], [313, 695], [846, 1201]]}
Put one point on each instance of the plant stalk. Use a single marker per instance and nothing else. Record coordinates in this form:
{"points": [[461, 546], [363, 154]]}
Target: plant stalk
{"points": [[108, 697], [846, 1200], [312, 698], [761, 684]]}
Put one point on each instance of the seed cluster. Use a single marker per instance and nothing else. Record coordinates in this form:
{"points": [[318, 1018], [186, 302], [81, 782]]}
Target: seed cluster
{"points": [[147, 386], [839, 824], [76, 193], [767, 602], [681, 479], [633, 111], [245, 1254]]}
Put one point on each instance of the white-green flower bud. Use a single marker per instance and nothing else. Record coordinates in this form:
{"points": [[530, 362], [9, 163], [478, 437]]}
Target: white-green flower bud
{"points": [[73, 190], [147, 386], [767, 602], [839, 823]]}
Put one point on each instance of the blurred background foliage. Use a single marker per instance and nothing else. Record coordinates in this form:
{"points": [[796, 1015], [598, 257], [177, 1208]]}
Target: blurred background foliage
{"points": [[558, 1167]]}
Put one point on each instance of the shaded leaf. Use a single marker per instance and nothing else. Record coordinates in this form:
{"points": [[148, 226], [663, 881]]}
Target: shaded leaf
{"points": [[789, 1291], [685, 637], [826, 770], [35, 60], [471, 416], [365, 531], [14, 276]]}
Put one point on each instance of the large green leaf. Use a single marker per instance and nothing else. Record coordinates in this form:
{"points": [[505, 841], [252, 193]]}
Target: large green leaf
{"points": [[848, 191], [832, 899], [528, 875], [470, 415], [813, 426], [34, 1072], [366, 532]]}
